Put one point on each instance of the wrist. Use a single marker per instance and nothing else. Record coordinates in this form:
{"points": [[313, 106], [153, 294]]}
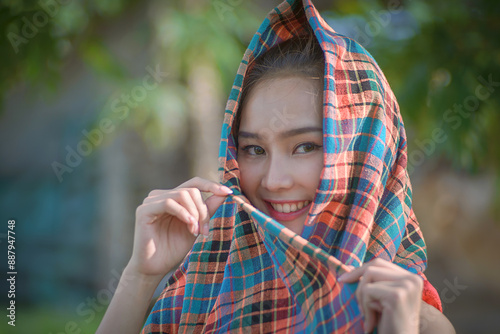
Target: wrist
{"points": [[139, 280], [129, 305]]}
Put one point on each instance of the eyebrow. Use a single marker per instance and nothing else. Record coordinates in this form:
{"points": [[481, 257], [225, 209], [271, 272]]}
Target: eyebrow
{"points": [[284, 134]]}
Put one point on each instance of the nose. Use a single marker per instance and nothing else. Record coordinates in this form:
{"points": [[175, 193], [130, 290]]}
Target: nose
{"points": [[277, 175]]}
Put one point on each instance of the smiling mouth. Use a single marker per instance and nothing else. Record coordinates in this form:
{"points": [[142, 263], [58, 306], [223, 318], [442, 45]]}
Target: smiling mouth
{"points": [[287, 211], [289, 207]]}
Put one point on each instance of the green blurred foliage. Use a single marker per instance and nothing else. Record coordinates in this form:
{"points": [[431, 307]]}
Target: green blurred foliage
{"points": [[42, 320], [450, 50], [188, 35], [38, 36], [440, 69], [208, 34], [437, 56], [432, 69]]}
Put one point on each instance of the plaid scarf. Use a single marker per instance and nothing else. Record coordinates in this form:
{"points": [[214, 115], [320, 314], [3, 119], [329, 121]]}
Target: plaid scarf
{"points": [[254, 275]]}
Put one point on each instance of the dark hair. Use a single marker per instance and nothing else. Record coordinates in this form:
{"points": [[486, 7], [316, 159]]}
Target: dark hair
{"points": [[300, 56]]}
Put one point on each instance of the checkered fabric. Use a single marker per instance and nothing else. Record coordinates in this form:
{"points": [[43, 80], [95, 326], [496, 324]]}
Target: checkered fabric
{"points": [[254, 275]]}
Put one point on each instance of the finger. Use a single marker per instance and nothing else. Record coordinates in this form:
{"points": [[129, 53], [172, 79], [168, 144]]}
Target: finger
{"points": [[187, 198], [156, 195], [207, 186], [372, 308], [387, 264], [171, 207], [373, 272], [370, 318], [364, 307], [190, 198], [365, 300], [375, 305], [201, 207], [359, 295], [212, 202], [386, 298], [196, 182], [363, 303], [355, 274], [376, 274]]}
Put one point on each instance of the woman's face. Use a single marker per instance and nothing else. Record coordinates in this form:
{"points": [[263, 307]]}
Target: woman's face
{"points": [[280, 152]]}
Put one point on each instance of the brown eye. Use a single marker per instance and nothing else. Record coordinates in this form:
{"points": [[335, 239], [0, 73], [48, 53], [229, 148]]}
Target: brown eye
{"points": [[258, 150], [254, 150], [306, 148]]}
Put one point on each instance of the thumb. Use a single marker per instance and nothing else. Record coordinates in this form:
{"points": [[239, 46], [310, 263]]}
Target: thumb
{"points": [[213, 202]]}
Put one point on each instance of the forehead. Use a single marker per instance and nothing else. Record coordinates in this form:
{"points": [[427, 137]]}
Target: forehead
{"points": [[283, 103]]}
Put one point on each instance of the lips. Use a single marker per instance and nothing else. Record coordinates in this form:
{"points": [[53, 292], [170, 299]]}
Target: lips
{"points": [[287, 210]]}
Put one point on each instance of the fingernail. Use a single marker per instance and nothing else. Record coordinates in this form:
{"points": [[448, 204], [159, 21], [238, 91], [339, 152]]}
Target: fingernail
{"points": [[341, 278], [205, 230], [194, 228], [226, 190]]}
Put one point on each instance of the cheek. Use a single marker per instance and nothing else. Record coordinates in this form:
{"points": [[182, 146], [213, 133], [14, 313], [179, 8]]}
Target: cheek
{"points": [[310, 172]]}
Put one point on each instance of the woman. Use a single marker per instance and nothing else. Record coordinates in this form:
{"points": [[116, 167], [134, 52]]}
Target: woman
{"points": [[313, 229]]}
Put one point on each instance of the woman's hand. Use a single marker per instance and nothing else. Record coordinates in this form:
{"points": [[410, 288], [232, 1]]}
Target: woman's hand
{"points": [[167, 224], [165, 228], [389, 296]]}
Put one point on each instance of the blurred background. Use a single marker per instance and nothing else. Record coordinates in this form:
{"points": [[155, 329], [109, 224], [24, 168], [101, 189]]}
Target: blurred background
{"points": [[105, 100]]}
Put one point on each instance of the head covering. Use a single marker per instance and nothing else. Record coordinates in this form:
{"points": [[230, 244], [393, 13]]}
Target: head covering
{"points": [[255, 275]]}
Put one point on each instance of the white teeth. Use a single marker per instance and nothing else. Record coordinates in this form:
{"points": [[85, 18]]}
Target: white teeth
{"points": [[287, 208]]}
